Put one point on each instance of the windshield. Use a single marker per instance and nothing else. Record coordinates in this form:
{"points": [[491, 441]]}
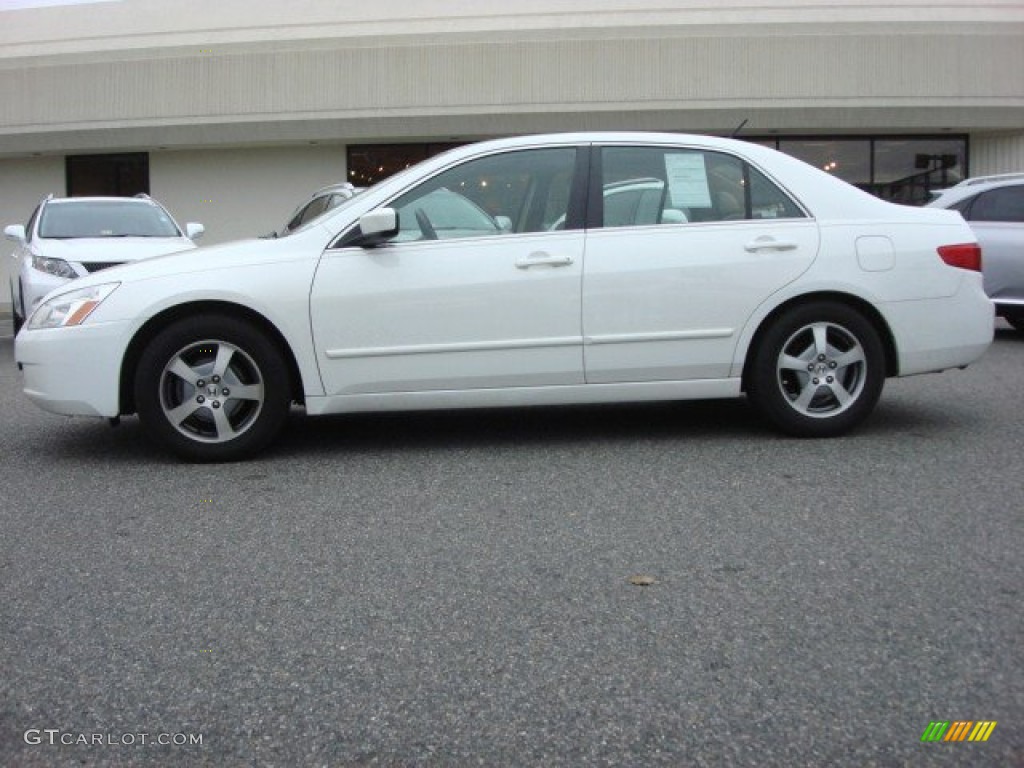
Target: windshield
{"points": [[105, 218]]}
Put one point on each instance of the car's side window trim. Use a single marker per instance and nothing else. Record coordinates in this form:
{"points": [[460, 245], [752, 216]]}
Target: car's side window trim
{"points": [[595, 188], [576, 215]]}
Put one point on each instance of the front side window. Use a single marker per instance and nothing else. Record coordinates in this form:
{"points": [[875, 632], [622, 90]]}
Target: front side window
{"points": [[509, 193], [668, 185], [1002, 204], [108, 218]]}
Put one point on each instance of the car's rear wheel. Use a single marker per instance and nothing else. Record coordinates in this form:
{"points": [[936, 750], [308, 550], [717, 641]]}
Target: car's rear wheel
{"points": [[212, 388], [817, 371]]}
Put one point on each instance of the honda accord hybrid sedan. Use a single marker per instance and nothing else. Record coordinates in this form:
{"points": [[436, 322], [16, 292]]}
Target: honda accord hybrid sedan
{"points": [[497, 275]]}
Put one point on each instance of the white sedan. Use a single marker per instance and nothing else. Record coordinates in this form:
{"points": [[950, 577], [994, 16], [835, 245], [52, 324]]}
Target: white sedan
{"points": [[493, 275]]}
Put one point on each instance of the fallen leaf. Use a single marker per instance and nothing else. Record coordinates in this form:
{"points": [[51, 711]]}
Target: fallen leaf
{"points": [[642, 581]]}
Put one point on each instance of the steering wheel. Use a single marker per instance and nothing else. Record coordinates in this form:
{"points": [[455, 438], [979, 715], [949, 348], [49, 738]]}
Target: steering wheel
{"points": [[429, 233]]}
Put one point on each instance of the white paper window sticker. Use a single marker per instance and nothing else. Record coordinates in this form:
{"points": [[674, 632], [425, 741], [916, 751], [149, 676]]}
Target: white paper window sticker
{"points": [[688, 180]]}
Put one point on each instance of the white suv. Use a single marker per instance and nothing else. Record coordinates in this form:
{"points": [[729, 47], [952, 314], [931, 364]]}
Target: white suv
{"points": [[67, 238], [994, 208]]}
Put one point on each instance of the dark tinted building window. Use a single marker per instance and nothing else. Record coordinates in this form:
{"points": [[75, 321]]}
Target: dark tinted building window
{"points": [[122, 175], [903, 169]]}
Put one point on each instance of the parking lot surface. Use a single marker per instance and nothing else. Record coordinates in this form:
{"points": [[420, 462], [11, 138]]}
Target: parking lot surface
{"points": [[460, 588]]}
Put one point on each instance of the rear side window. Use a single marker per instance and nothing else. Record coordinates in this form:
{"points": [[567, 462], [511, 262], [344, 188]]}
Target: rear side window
{"points": [[641, 186], [1003, 204]]}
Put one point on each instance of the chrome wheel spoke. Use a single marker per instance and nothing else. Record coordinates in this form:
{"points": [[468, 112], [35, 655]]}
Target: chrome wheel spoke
{"points": [[840, 393], [790, 363], [851, 357], [224, 354], [803, 401], [225, 430], [183, 371], [820, 331], [178, 414]]}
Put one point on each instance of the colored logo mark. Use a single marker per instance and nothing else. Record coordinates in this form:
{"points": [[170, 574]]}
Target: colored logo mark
{"points": [[958, 730]]}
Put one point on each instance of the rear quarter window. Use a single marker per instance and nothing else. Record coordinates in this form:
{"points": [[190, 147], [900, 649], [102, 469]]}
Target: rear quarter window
{"points": [[1003, 204]]}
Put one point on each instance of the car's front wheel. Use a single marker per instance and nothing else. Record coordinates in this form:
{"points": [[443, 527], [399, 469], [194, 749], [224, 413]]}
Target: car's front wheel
{"points": [[212, 388], [818, 370]]}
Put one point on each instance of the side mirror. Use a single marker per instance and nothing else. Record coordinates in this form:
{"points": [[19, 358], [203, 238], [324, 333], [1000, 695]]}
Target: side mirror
{"points": [[15, 232], [377, 226], [194, 230], [504, 223]]}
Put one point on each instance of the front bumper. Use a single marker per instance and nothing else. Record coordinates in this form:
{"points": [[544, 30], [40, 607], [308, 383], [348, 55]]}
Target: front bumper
{"points": [[73, 371]]}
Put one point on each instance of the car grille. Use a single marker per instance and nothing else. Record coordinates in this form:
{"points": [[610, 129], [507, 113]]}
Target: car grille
{"points": [[96, 266]]}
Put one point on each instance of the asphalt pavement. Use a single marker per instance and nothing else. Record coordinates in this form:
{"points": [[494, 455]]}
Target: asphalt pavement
{"points": [[653, 585]]}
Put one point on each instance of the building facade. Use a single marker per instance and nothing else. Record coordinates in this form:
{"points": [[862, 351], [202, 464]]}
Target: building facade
{"points": [[231, 112]]}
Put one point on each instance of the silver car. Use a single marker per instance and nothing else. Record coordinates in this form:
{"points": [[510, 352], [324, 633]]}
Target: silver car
{"points": [[994, 208], [319, 202]]}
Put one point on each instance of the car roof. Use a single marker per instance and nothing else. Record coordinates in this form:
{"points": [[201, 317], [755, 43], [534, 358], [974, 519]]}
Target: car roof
{"points": [[971, 187], [100, 199], [997, 177], [343, 186]]}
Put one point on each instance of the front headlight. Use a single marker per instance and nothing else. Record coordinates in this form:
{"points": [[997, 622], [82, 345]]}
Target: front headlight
{"points": [[70, 308], [55, 267]]}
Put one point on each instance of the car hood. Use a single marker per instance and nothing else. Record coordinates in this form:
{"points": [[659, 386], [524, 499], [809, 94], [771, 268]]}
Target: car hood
{"points": [[241, 253], [106, 249]]}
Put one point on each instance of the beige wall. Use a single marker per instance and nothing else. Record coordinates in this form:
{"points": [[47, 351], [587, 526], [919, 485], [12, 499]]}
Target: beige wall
{"points": [[146, 73], [997, 153], [237, 193], [123, 27]]}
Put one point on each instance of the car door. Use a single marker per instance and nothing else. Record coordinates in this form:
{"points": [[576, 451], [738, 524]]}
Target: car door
{"points": [[669, 284], [476, 290]]}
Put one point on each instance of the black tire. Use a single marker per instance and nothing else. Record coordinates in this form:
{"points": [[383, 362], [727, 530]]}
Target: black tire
{"points": [[16, 320], [817, 371], [187, 410]]}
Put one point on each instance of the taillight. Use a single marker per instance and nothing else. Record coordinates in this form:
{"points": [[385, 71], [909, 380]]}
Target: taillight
{"points": [[964, 256]]}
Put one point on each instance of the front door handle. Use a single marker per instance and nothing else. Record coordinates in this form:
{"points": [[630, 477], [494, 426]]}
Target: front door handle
{"points": [[766, 243], [541, 259]]}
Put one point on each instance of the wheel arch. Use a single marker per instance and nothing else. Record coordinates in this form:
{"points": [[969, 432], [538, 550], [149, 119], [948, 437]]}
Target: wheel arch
{"points": [[853, 302], [158, 322]]}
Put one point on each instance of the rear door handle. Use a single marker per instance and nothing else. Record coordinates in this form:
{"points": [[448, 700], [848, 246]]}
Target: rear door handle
{"points": [[541, 259], [766, 243]]}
